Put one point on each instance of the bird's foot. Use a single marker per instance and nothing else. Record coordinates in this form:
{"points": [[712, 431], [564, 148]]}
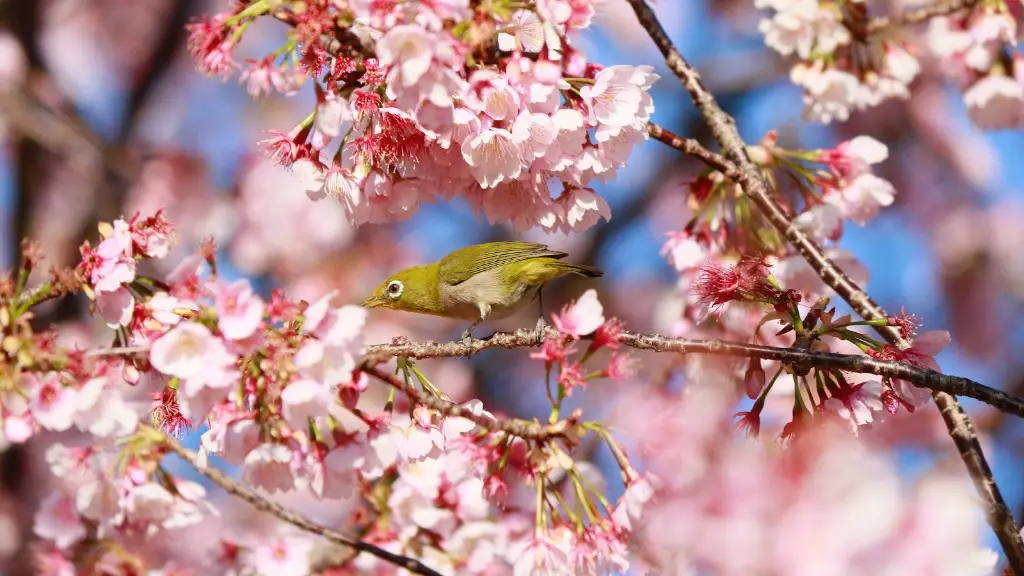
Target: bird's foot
{"points": [[467, 341], [542, 326]]}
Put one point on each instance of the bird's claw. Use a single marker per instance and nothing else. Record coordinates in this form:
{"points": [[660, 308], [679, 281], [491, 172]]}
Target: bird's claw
{"points": [[542, 326], [467, 341]]}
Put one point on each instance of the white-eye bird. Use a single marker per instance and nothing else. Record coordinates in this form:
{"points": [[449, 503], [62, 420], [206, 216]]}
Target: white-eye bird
{"points": [[477, 283]]}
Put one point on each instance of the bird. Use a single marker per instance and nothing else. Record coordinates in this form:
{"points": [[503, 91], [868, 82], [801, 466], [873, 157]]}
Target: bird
{"points": [[480, 282]]}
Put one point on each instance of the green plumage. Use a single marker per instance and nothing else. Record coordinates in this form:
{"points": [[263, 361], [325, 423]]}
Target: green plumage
{"points": [[467, 262], [492, 280]]}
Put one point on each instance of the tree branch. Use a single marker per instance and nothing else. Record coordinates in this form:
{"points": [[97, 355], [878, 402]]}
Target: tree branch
{"points": [[697, 150], [514, 427], [260, 503], [919, 15], [723, 127], [922, 377]]}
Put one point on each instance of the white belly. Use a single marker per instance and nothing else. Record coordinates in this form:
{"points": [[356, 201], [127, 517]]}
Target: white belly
{"points": [[481, 297]]}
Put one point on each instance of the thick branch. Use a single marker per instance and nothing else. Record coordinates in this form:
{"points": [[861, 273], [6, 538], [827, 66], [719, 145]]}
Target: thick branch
{"points": [[922, 377], [294, 518], [723, 127]]}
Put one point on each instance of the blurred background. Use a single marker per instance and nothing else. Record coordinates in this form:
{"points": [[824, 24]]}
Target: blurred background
{"points": [[102, 114]]}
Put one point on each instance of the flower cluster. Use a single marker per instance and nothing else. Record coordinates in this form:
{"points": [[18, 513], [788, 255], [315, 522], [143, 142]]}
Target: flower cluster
{"points": [[840, 70], [719, 497], [824, 188], [420, 113], [282, 390], [777, 298], [976, 51]]}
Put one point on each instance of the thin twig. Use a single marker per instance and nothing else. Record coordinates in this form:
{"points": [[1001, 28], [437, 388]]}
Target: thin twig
{"points": [[525, 338], [514, 427], [723, 127], [697, 150], [920, 15], [260, 503]]}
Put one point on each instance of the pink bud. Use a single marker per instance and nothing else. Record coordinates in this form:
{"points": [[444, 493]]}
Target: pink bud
{"points": [[890, 401]]}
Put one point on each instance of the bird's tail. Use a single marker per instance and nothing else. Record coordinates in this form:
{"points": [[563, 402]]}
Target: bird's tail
{"points": [[582, 269]]}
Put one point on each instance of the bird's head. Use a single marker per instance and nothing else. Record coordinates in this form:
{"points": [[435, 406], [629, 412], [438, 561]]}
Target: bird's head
{"points": [[412, 290]]}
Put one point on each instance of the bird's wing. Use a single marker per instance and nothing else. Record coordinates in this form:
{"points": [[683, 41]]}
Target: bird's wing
{"points": [[467, 262]]}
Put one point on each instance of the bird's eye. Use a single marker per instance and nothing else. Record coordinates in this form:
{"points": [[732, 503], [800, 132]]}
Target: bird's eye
{"points": [[395, 289]]}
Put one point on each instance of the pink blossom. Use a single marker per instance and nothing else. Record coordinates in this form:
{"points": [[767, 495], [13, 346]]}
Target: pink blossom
{"points": [[200, 392], [616, 97], [581, 317], [453, 427], [524, 33], [792, 28], [148, 503], [857, 405], [268, 467], [258, 76], [239, 311], [17, 429], [335, 475], [116, 307], [309, 177], [58, 521], [822, 221], [410, 49], [829, 95], [684, 251], [305, 399], [383, 443], [283, 556], [100, 501], [52, 563], [328, 365], [861, 199], [854, 157], [553, 350], [232, 441], [490, 93], [584, 209], [540, 557], [996, 102], [13, 64], [570, 135], [420, 436], [185, 350], [922, 354], [151, 237], [102, 410], [533, 132], [493, 157], [630, 509], [166, 309], [52, 404]]}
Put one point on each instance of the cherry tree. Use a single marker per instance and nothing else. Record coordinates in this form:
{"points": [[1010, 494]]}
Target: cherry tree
{"points": [[331, 441]]}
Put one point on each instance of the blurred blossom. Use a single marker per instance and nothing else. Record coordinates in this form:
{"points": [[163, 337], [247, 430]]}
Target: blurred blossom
{"points": [[721, 496], [280, 230], [180, 183]]}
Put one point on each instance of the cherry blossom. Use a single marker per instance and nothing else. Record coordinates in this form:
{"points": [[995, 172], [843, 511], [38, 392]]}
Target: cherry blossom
{"points": [[582, 317]]}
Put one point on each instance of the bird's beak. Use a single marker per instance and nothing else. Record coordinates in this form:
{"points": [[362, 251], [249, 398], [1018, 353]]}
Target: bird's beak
{"points": [[371, 302]]}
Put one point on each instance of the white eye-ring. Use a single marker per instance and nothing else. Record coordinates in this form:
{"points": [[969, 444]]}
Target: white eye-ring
{"points": [[394, 289]]}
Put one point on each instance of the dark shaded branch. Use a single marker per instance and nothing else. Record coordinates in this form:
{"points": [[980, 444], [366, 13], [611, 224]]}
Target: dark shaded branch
{"points": [[524, 338]]}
